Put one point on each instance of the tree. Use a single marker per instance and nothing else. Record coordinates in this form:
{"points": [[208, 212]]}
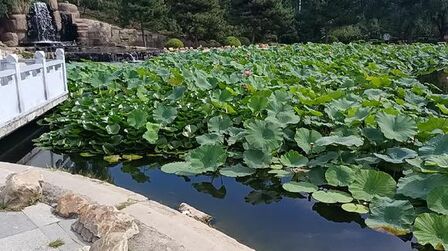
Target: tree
{"points": [[263, 17], [200, 19], [5, 6], [147, 14], [438, 14]]}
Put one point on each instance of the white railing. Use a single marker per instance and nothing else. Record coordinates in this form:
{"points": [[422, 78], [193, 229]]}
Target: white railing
{"points": [[30, 85]]}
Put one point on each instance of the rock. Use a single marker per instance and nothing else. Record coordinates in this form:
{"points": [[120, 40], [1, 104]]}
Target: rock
{"points": [[57, 20], [21, 190], [69, 205], [111, 242], [15, 23], [192, 212], [67, 7], [96, 221], [53, 4]]}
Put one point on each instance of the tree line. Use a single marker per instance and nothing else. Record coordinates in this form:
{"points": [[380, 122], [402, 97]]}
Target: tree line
{"points": [[285, 21]]}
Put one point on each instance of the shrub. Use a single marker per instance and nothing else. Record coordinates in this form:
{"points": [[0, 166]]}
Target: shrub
{"points": [[232, 41], [174, 43], [245, 41], [346, 33]]}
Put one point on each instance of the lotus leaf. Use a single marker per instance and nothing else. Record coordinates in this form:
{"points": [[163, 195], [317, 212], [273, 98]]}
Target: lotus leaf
{"points": [[208, 157], [137, 119], [339, 140], [418, 186], [300, 187], [430, 228], [400, 127], [437, 200], [165, 114], [306, 140], [391, 216], [355, 208], [257, 159], [152, 132], [293, 159], [236, 171], [436, 146], [338, 175], [264, 135], [332, 196], [370, 183], [397, 155]]}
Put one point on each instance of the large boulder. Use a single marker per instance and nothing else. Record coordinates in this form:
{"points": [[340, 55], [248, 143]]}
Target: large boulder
{"points": [[97, 221], [57, 20], [15, 23], [70, 205], [53, 4], [111, 242], [21, 190], [67, 7], [10, 39]]}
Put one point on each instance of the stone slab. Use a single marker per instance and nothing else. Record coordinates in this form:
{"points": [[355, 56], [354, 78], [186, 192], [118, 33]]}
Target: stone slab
{"points": [[40, 214], [12, 223], [33, 240], [55, 232]]}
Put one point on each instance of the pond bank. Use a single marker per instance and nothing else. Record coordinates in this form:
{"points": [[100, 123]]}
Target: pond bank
{"points": [[180, 229]]}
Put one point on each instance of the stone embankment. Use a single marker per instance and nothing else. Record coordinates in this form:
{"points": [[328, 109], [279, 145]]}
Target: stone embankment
{"points": [[100, 216]]}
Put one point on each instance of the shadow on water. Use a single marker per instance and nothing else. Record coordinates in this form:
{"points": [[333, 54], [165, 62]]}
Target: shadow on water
{"points": [[255, 210]]}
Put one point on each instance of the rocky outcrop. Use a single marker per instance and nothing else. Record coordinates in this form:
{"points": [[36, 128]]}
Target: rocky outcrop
{"points": [[111, 242], [21, 190], [10, 39], [192, 212], [98, 221], [70, 205]]}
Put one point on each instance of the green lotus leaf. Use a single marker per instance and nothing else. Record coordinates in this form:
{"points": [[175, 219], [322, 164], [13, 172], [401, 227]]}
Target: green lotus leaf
{"points": [[258, 103], [418, 186], [355, 208], [300, 187], [332, 196], [152, 132], [113, 129], [341, 176], [373, 135], [281, 173], [293, 159], [400, 127], [236, 171], [397, 155], [339, 140], [165, 114], [437, 200], [219, 124], [436, 146], [208, 157], [306, 140], [210, 139], [137, 119], [181, 169], [430, 228], [235, 135], [87, 155], [391, 216], [257, 159], [264, 135], [437, 160], [132, 157], [283, 118], [112, 158], [370, 183]]}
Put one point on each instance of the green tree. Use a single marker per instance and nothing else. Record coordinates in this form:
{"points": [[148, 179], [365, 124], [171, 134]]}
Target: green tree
{"points": [[147, 14], [263, 17], [200, 19]]}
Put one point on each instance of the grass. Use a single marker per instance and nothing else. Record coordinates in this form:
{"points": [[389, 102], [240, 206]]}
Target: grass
{"points": [[57, 243]]}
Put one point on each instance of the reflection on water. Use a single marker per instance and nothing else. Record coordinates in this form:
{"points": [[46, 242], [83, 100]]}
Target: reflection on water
{"points": [[254, 210]]}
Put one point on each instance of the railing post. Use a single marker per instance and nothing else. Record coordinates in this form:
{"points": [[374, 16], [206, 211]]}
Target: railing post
{"points": [[40, 59], [13, 63], [60, 55]]}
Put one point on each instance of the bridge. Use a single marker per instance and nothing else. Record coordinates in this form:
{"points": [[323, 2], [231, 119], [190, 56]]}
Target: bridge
{"points": [[30, 88]]}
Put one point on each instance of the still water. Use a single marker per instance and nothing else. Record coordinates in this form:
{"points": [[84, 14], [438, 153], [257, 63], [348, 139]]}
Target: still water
{"points": [[255, 211]]}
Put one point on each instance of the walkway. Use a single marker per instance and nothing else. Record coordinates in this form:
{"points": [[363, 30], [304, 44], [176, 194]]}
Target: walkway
{"points": [[35, 229]]}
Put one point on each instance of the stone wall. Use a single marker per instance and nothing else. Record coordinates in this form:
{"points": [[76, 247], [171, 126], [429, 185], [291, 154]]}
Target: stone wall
{"points": [[70, 25]]}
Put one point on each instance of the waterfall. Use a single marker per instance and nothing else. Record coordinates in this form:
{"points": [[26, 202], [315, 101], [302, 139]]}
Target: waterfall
{"points": [[40, 23]]}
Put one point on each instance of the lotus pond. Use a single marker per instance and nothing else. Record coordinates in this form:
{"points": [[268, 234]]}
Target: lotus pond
{"points": [[349, 127]]}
